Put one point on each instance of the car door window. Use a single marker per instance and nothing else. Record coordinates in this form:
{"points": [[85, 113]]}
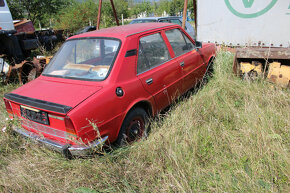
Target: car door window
{"points": [[179, 41], [152, 52]]}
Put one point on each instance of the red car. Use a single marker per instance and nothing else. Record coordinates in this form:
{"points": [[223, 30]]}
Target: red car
{"points": [[102, 86]]}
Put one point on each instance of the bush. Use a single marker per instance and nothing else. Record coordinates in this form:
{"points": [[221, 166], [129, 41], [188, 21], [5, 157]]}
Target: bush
{"points": [[83, 14]]}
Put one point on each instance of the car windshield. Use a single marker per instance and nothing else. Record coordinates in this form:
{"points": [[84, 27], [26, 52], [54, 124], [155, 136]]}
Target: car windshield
{"points": [[143, 21], [88, 59]]}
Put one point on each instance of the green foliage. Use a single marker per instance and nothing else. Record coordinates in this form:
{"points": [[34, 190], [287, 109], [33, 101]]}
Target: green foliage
{"points": [[144, 7], [171, 7], [83, 14], [36, 10], [77, 15], [122, 8], [84, 190], [164, 5], [175, 7]]}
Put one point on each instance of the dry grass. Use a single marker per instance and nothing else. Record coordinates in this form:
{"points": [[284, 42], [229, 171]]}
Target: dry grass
{"points": [[231, 136]]}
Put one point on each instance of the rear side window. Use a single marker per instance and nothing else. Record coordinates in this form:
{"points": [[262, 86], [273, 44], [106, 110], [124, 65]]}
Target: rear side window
{"points": [[179, 42], [2, 4], [152, 52]]}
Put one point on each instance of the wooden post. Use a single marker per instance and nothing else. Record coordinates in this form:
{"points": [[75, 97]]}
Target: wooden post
{"points": [[115, 13], [184, 13], [99, 14]]}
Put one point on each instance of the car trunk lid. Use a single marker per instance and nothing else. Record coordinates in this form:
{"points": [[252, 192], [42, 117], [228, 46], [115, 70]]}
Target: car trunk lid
{"points": [[57, 94]]}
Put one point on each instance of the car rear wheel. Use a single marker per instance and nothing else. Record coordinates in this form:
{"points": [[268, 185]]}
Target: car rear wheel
{"points": [[134, 127]]}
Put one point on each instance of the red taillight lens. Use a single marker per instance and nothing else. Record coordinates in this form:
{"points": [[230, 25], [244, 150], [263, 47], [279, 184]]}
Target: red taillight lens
{"points": [[8, 108], [70, 129]]}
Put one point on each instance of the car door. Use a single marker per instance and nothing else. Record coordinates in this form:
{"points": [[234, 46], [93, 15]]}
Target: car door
{"points": [[159, 74], [190, 60]]}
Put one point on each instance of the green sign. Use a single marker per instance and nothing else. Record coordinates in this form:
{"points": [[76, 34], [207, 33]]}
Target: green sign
{"points": [[248, 4]]}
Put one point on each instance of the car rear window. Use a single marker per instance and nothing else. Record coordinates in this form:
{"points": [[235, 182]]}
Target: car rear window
{"points": [[179, 42], [88, 59], [2, 4], [152, 52]]}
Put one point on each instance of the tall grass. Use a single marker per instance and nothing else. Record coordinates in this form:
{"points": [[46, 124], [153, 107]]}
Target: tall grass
{"points": [[230, 136]]}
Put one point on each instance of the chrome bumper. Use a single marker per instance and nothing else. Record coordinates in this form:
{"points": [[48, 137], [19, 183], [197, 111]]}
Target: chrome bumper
{"points": [[65, 149]]}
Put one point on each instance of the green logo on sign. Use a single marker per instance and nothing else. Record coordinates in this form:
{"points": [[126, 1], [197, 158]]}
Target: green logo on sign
{"points": [[248, 4]]}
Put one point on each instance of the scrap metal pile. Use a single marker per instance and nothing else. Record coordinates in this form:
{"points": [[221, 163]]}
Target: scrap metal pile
{"points": [[15, 50]]}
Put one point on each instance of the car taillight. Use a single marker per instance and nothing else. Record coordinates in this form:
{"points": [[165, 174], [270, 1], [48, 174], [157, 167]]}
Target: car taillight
{"points": [[8, 108], [70, 128]]}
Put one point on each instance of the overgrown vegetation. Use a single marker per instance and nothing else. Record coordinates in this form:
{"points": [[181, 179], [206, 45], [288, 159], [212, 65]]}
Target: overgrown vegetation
{"points": [[83, 14], [230, 136], [38, 11], [72, 15]]}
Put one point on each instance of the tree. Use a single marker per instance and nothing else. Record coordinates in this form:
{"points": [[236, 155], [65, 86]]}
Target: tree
{"points": [[80, 14], [145, 6], [176, 6], [121, 8], [36, 10], [77, 15], [164, 5]]}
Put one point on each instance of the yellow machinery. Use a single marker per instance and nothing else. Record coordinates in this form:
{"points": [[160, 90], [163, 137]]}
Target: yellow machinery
{"points": [[273, 63], [252, 69], [279, 74]]}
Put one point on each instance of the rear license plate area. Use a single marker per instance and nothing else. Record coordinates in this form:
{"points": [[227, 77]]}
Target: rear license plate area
{"points": [[34, 115]]}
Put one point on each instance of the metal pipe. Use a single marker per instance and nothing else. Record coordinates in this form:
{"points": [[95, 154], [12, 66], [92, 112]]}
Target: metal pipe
{"points": [[115, 13], [184, 13], [99, 14]]}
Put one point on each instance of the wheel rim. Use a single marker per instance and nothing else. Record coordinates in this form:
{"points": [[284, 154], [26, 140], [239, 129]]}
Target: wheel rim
{"points": [[135, 129]]}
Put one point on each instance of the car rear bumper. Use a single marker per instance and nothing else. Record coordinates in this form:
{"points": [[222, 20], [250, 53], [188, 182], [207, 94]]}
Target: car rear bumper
{"points": [[66, 149]]}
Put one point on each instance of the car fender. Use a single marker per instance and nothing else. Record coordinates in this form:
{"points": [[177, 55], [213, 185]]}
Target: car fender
{"points": [[150, 101]]}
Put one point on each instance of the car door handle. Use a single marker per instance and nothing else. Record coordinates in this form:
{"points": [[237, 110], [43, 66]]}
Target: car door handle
{"points": [[149, 81], [181, 64]]}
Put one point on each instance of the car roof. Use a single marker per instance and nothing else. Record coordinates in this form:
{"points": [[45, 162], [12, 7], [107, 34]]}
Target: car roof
{"points": [[124, 31]]}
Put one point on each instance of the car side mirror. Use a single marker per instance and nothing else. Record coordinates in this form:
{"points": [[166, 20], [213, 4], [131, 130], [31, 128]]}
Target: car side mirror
{"points": [[198, 45]]}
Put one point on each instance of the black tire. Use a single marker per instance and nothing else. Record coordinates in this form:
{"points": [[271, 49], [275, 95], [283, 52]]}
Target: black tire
{"points": [[135, 127]]}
